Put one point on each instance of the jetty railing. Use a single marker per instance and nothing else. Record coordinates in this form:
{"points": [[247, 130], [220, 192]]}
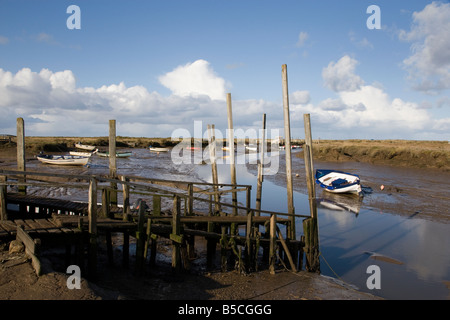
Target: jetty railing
{"points": [[221, 227]]}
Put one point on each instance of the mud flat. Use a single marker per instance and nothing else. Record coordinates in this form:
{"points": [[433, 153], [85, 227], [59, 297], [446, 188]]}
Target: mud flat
{"points": [[19, 282]]}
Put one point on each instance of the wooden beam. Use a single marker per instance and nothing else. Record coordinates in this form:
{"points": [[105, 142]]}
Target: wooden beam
{"points": [[287, 134], [21, 166], [3, 209]]}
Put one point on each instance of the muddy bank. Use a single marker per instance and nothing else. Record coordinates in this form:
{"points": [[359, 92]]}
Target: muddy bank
{"points": [[18, 281], [407, 191]]}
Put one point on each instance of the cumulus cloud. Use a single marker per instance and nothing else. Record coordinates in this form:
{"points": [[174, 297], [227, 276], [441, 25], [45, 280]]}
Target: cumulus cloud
{"points": [[194, 79], [50, 100], [53, 104], [429, 62], [367, 110], [299, 97], [340, 76]]}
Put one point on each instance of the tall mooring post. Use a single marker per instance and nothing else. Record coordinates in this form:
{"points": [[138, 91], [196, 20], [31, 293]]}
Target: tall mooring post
{"points": [[310, 225], [231, 150], [21, 152], [287, 135], [112, 161]]}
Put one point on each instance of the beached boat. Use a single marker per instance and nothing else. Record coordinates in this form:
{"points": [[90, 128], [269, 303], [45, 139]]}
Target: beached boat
{"points": [[67, 160], [79, 145], [159, 149], [338, 182], [118, 154], [81, 153]]}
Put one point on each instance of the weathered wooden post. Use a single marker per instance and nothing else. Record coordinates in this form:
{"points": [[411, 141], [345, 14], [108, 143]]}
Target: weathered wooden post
{"points": [[3, 210], [112, 161], [212, 157], [21, 166], [126, 198], [310, 225], [287, 134], [175, 235], [309, 167], [261, 166], [272, 243], [92, 217], [141, 238], [232, 155], [105, 203]]}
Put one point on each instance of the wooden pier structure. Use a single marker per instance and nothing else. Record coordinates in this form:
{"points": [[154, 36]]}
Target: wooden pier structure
{"points": [[239, 231], [80, 224]]}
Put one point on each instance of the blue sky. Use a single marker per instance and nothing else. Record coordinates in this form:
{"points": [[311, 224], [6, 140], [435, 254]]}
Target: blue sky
{"points": [[157, 66]]}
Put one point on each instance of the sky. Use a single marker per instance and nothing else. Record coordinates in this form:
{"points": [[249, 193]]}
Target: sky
{"points": [[164, 67]]}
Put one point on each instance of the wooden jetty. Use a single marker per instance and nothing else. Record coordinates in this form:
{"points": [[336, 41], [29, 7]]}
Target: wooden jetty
{"points": [[238, 230], [80, 224]]}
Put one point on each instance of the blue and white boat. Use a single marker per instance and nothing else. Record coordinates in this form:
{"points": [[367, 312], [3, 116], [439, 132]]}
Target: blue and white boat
{"points": [[338, 182]]}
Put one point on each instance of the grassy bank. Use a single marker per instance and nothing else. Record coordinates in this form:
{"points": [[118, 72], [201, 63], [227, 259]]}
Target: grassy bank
{"points": [[407, 153]]}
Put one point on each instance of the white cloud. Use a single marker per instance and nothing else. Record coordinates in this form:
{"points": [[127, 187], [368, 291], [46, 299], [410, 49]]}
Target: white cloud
{"points": [[302, 37], [367, 111], [299, 97], [53, 104], [340, 76], [194, 79], [429, 63]]}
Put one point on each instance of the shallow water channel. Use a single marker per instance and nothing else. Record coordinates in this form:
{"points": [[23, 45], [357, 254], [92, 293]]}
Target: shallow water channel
{"points": [[412, 253]]}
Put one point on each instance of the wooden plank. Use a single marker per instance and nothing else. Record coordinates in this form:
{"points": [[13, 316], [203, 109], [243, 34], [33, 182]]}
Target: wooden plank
{"points": [[23, 223], [23, 236], [9, 226], [48, 225], [36, 227]]}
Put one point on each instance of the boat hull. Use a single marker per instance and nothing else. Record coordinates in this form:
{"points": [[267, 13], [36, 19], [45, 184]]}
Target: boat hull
{"points": [[159, 149], [118, 155], [84, 147], [338, 181], [64, 160]]}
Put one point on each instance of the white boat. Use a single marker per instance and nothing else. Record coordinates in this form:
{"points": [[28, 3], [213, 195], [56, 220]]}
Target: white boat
{"points": [[118, 154], [79, 145], [80, 153], [338, 182], [67, 160], [159, 149]]}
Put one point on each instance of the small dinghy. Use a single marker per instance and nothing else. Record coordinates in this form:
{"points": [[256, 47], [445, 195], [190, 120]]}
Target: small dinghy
{"points": [[338, 182], [63, 160], [159, 149]]}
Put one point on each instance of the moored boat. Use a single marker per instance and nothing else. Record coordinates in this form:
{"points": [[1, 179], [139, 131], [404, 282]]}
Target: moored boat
{"points": [[67, 160], [338, 181], [79, 145], [118, 154], [159, 149], [81, 153]]}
